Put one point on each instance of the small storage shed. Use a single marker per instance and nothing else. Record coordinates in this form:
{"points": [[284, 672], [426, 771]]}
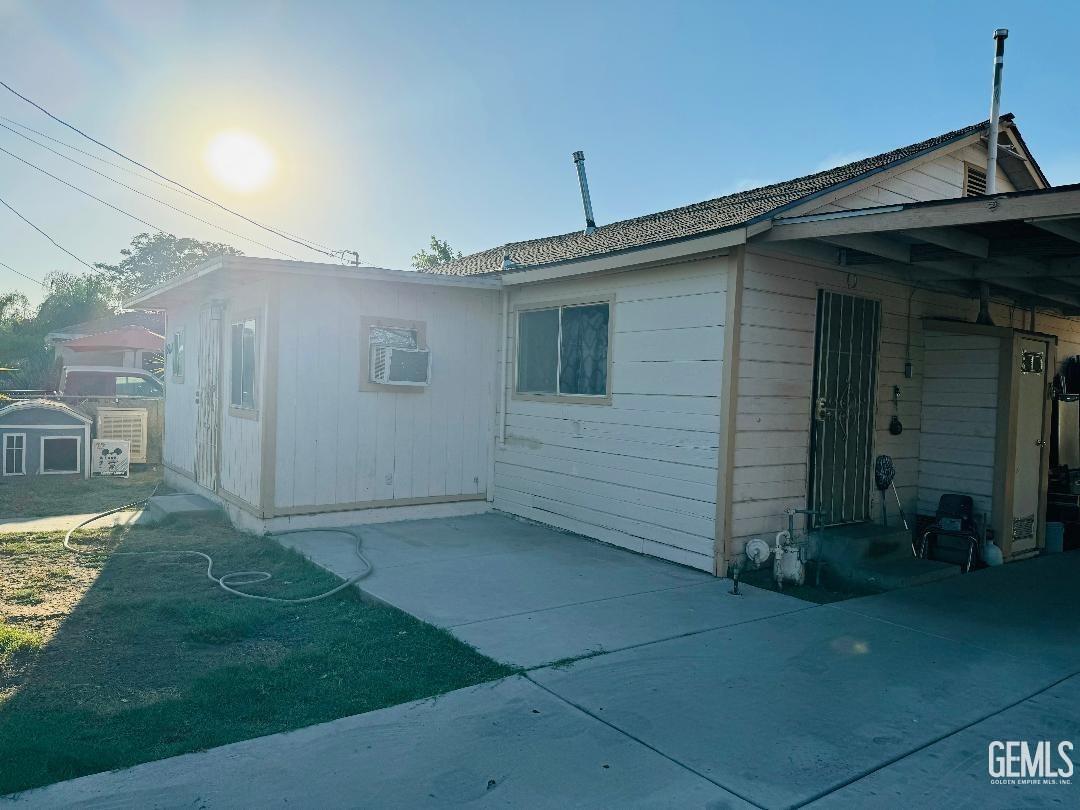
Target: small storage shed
{"points": [[40, 437]]}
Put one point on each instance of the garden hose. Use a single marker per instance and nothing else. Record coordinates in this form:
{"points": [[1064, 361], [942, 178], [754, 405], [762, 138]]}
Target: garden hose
{"points": [[233, 578]]}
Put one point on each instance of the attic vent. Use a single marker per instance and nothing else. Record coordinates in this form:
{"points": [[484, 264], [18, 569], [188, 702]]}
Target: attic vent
{"points": [[974, 181], [128, 424]]}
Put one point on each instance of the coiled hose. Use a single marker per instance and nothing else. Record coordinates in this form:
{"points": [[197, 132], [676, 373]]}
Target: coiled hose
{"points": [[234, 578]]}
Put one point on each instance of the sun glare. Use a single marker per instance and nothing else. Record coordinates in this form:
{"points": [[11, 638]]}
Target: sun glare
{"points": [[240, 161]]}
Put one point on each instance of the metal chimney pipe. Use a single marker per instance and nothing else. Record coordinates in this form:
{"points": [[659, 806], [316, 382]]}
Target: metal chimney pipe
{"points": [[1000, 35], [586, 201]]}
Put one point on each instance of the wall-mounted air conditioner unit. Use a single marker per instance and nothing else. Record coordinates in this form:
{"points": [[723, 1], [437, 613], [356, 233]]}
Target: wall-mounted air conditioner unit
{"points": [[395, 366]]}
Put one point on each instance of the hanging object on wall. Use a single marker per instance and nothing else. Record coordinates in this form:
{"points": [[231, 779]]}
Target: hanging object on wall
{"points": [[896, 427]]}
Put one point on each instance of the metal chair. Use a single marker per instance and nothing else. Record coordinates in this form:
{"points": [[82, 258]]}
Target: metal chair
{"points": [[955, 518]]}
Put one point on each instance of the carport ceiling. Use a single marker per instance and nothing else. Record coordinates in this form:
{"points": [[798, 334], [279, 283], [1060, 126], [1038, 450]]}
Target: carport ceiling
{"points": [[1025, 245]]}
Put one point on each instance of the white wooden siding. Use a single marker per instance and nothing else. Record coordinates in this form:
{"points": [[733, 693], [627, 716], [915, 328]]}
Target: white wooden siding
{"points": [[940, 178], [338, 445], [641, 472], [178, 446], [241, 438], [959, 418]]}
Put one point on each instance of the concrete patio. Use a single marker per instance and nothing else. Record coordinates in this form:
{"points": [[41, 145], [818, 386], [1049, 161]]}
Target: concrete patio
{"points": [[528, 595], [700, 698]]}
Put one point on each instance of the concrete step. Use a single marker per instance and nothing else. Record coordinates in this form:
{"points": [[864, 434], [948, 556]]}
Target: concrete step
{"points": [[167, 507], [901, 572], [849, 545]]}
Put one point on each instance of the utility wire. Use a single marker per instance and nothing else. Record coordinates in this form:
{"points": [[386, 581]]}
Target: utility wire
{"points": [[83, 191], [20, 273], [126, 170], [6, 205], [301, 242], [149, 196]]}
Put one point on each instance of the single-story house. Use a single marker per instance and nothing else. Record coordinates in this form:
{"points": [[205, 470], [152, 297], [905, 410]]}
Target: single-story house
{"points": [[131, 339], [40, 437], [671, 383]]}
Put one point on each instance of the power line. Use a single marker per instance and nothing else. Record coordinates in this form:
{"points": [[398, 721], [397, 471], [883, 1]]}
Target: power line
{"points": [[149, 196], [126, 170], [6, 205], [301, 242], [84, 191], [20, 273]]}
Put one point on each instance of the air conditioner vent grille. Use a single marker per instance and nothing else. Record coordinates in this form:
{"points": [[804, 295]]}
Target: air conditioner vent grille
{"points": [[125, 424]]}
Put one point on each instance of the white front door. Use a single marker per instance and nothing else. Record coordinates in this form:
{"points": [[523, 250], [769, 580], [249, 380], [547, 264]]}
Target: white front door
{"points": [[208, 398], [1030, 446]]}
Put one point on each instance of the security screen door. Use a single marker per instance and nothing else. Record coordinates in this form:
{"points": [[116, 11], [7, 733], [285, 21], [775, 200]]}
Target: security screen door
{"points": [[842, 433]]}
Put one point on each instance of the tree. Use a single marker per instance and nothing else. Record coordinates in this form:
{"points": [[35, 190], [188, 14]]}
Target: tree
{"points": [[155, 258], [72, 299], [441, 253]]}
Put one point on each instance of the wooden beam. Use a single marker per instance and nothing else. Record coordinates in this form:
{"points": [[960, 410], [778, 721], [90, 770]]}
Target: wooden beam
{"points": [[1065, 228], [875, 245], [954, 239], [973, 211]]}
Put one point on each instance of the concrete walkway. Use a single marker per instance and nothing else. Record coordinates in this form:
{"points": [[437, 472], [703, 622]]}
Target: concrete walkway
{"points": [[721, 701], [528, 595], [61, 523]]}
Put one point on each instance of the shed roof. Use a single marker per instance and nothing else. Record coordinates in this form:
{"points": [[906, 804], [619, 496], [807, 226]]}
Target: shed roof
{"points": [[24, 407], [699, 219]]}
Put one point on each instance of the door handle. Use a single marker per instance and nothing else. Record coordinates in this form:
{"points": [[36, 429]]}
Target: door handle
{"points": [[1040, 443], [821, 409]]}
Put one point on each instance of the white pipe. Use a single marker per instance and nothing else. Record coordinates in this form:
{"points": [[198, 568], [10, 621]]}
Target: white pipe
{"points": [[995, 105], [504, 330]]}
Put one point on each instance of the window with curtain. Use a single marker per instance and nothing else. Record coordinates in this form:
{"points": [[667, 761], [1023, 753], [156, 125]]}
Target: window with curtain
{"points": [[563, 351], [243, 364]]}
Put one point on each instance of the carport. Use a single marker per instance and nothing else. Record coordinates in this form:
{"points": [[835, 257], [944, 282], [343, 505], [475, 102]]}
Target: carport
{"points": [[952, 317]]}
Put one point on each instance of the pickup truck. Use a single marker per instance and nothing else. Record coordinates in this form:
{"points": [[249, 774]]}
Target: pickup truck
{"points": [[109, 381]]}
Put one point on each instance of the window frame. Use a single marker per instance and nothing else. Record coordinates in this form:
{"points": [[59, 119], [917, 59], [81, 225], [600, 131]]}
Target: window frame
{"points": [[565, 303], [240, 410], [78, 456], [369, 322], [22, 458], [178, 360]]}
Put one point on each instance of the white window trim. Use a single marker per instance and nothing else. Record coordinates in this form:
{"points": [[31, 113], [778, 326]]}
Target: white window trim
{"points": [[78, 456], [580, 399], [246, 411], [178, 376], [22, 459]]}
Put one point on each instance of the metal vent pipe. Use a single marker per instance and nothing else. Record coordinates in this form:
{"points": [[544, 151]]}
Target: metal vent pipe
{"points": [[586, 200], [1000, 35]]}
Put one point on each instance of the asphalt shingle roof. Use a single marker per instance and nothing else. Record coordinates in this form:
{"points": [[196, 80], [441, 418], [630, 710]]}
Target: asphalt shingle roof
{"points": [[691, 220]]}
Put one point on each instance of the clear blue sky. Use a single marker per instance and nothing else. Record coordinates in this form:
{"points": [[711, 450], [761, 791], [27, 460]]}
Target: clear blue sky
{"points": [[392, 121]]}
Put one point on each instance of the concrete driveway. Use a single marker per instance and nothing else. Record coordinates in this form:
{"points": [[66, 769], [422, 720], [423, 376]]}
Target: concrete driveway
{"points": [[701, 698]]}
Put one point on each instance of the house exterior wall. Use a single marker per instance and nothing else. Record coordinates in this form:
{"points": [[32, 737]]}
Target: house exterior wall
{"points": [[775, 389], [338, 446], [959, 418], [937, 177], [639, 472]]}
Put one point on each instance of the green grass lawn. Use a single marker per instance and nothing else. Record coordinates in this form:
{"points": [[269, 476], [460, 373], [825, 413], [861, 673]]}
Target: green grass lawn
{"points": [[108, 661], [48, 495]]}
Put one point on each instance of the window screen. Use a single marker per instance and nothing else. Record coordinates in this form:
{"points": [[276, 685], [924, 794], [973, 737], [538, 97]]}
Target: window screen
{"points": [[60, 454], [243, 364], [538, 351], [14, 454], [564, 350]]}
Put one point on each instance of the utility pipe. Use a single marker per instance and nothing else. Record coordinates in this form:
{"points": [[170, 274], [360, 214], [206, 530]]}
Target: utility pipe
{"points": [[1000, 36]]}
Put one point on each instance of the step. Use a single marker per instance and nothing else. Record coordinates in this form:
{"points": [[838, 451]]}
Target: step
{"points": [[167, 507], [890, 574], [848, 546]]}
